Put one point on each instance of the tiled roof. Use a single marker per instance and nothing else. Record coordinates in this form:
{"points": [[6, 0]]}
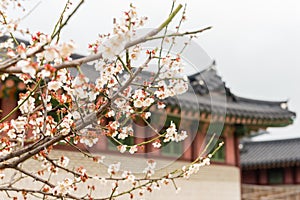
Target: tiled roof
{"points": [[211, 92], [270, 154]]}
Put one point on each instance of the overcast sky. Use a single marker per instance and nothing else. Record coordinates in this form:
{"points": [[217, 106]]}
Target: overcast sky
{"points": [[256, 43]]}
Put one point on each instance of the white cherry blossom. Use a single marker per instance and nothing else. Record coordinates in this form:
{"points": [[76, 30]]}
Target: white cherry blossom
{"points": [[54, 85], [133, 149], [26, 67]]}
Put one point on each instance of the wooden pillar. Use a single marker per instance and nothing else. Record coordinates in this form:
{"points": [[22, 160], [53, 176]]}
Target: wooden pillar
{"points": [[288, 175], [198, 143], [263, 177], [139, 137], [230, 146], [187, 149], [102, 144], [152, 152], [237, 151], [187, 145], [158, 120], [297, 175]]}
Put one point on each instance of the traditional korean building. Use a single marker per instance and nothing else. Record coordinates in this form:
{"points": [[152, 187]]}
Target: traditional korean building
{"points": [[208, 107], [271, 169]]}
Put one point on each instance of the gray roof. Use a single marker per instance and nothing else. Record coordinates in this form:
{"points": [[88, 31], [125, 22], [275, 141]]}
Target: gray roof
{"points": [[213, 95], [270, 154]]}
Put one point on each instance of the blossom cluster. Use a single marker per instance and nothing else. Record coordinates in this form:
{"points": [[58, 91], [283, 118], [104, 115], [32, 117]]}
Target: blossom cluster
{"points": [[173, 135], [195, 167], [150, 169], [170, 83], [63, 187], [123, 31]]}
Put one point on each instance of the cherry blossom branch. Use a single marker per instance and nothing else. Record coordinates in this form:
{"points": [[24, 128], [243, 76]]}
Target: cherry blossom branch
{"points": [[165, 32], [24, 150], [79, 125], [54, 34], [33, 176], [79, 149], [33, 150], [59, 21], [97, 56], [36, 178], [10, 62], [131, 190], [178, 27], [10, 33], [30, 191], [181, 34], [113, 191]]}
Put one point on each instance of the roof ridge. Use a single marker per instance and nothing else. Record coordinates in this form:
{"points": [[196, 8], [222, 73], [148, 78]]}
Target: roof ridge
{"points": [[250, 100]]}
